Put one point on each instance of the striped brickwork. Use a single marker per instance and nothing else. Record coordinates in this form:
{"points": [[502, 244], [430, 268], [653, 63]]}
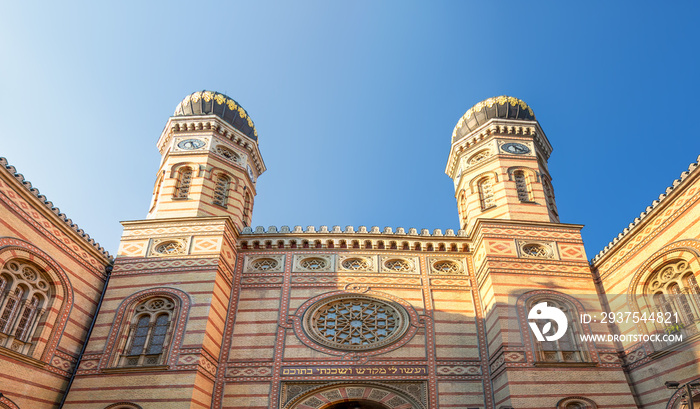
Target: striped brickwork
{"points": [[667, 232], [507, 279], [33, 231], [200, 282]]}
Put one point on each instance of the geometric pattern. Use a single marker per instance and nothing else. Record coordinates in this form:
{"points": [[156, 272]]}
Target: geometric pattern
{"points": [[206, 245], [249, 371], [459, 370]]}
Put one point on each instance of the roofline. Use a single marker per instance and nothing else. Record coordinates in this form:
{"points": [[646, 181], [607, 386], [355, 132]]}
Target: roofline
{"points": [[652, 210], [61, 217]]}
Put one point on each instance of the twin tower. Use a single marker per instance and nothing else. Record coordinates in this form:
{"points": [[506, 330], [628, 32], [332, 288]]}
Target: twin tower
{"points": [[211, 162], [201, 311]]}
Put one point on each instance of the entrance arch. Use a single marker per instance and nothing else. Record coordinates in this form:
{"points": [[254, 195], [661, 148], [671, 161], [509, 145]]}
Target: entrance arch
{"points": [[354, 396]]}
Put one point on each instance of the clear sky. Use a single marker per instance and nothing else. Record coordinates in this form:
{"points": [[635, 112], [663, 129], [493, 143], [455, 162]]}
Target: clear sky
{"points": [[354, 102]]}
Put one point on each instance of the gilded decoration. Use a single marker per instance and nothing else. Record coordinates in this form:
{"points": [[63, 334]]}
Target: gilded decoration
{"points": [[169, 247], [272, 263], [220, 99], [488, 103], [355, 322]]}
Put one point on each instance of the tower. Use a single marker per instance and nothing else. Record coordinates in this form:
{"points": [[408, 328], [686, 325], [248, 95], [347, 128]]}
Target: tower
{"points": [[158, 334], [210, 161], [524, 257], [498, 162]]}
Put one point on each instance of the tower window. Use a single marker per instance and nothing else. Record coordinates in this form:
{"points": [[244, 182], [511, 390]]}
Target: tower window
{"points": [[549, 195], [184, 180], [463, 207], [486, 193], [247, 207], [221, 190], [522, 185]]}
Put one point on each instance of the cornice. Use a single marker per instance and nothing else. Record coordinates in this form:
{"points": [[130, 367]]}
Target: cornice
{"points": [[349, 230], [60, 217], [651, 210], [498, 127], [214, 124]]}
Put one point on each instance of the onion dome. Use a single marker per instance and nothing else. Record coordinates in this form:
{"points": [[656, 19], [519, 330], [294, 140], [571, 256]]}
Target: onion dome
{"points": [[503, 107], [214, 103]]}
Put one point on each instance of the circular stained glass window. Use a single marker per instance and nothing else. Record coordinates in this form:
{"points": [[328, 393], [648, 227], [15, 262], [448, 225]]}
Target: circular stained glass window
{"points": [[353, 322]]}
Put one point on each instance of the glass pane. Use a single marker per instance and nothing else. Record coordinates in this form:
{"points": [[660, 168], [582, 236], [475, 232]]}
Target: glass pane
{"points": [[158, 336], [140, 334]]}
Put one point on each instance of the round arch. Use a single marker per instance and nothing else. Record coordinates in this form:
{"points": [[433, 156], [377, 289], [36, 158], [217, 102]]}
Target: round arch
{"points": [[573, 400], [373, 396], [62, 299], [677, 403]]}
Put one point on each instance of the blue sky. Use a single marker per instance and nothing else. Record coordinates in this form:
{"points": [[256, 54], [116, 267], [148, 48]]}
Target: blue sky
{"points": [[354, 102]]}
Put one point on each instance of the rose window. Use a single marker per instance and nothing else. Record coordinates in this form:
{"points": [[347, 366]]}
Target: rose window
{"points": [[355, 263], [536, 250], [356, 323], [264, 264], [313, 263], [446, 266], [170, 247], [398, 265]]}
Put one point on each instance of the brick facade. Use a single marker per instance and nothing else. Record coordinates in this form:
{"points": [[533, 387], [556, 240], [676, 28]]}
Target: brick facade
{"points": [[203, 311]]}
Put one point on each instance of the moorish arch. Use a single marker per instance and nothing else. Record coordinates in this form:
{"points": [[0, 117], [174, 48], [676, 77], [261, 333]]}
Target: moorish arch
{"points": [[354, 396]]}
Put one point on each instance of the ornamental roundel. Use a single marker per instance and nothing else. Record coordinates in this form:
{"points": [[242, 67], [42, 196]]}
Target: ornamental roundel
{"points": [[536, 250], [170, 247], [398, 264], [446, 267], [356, 264], [264, 264], [313, 263], [355, 322]]}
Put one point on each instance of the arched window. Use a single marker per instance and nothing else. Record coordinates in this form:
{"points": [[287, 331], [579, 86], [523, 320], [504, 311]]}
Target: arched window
{"points": [[156, 191], [576, 402], [673, 289], [549, 195], [522, 185], [247, 207], [462, 204], [149, 333], [221, 190], [24, 294], [184, 180], [566, 349], [486, 193]]}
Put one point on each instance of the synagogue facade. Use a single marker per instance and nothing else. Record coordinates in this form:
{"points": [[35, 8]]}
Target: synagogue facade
{"points": [[200, 310]]}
